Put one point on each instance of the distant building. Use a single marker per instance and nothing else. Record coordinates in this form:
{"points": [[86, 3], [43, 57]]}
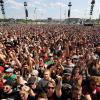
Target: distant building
{"points": [[99, 16], [12, 21], [73, 21], [49, 19], [89, 22]]}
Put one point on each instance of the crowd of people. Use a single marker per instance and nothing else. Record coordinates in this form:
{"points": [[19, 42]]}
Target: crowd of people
{"points": [[49, 62]]}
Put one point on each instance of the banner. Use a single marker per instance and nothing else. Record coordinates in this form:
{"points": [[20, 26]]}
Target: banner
{"points": [[69, 13], [26, 11]]}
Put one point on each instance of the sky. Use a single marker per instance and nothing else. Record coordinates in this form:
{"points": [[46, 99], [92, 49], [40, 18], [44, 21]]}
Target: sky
{"points": [[56, 9]]}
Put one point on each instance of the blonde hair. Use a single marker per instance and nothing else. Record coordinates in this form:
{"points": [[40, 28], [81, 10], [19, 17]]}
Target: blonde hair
{"points": [[77, 87], [96, 79], [52, 82], [48, 71]]}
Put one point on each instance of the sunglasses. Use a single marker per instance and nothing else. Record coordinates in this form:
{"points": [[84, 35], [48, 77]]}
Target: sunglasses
{"points": [[58, 68], [51, 88], [93, 84], [6, 87]]}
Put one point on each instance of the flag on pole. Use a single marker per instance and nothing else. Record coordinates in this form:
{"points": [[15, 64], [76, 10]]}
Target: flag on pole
{"points": [[34, 10]]}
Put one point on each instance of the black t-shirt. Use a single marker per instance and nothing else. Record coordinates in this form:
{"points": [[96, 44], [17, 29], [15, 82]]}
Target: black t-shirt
{"points": [[95, 96], [66, 91], [54, 97], [12, 95], [37, 92]]}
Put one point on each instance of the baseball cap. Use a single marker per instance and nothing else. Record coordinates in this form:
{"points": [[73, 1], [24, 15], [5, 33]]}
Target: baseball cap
{"points": [[1, 69], [35, 73], [9, 70], [31, 80], [67, 72]]}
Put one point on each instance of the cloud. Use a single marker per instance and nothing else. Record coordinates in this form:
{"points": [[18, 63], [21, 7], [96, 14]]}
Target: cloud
{"points": [[41, 10], [35, 2], [39, 5], [57, 4], [14, 4], [76, 13], [48, 8]]}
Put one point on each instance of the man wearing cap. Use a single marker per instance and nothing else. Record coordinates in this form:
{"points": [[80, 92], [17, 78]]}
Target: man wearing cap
{"points": [[1, 75], [1, 69], [44, 81], [35, 74], [69, 64], [8, 91], [32, 83], [67, 84], [9, 74]]}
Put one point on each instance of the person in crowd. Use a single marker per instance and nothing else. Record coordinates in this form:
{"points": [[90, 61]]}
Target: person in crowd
{"points": [[92, 92], [35, 75], [54, 89], [76, 75], [9, 74], [77, 93], [94, 69], [33, 84], [8, 91], [69, 65], [43, 82], [49, 62], [1, 77], [42, 96], [1, 70], [67, 84]]}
